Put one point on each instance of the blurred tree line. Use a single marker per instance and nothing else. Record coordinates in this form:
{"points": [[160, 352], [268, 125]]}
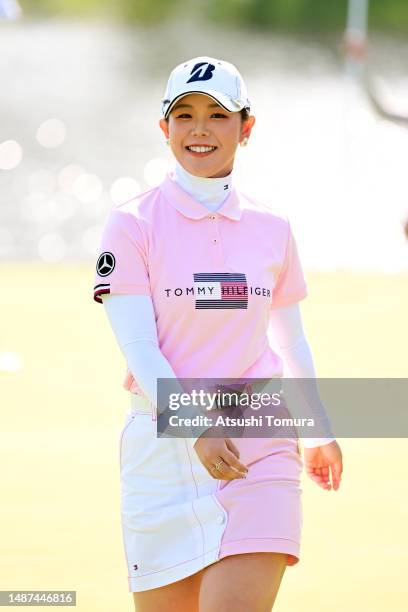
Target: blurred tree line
{"points": [[317, 15]]}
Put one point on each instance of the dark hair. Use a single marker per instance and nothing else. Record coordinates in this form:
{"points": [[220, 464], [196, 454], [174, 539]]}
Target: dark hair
{"points": [[244, 112]]}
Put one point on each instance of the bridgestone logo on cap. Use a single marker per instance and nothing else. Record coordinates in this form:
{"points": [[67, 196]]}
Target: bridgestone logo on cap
{"points": [[199, 75]]}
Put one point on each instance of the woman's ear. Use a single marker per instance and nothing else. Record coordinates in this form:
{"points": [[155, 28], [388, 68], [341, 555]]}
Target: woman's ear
{"points": [[164, 127], [247, 127]]}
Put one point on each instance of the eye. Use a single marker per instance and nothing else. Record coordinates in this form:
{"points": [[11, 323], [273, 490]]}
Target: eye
{"points": [[183, 116], [218, 115]]}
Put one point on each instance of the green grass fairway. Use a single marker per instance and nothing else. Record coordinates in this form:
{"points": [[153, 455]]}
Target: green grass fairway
{"points": [[62, 414]]}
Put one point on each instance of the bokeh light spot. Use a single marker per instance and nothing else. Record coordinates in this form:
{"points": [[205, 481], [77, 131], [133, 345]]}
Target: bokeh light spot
{"points": [[87, 188], [51, 133], [67, 176], [124, 189], [11, 154], [10, 362], [155, 170]]}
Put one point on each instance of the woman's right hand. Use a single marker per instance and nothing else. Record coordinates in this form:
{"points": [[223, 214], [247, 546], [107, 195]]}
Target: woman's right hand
{"points": [[322, 461], [221, 452]]}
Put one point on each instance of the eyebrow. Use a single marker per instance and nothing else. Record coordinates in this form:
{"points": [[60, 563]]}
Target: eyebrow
{"points": [[183, 105]]}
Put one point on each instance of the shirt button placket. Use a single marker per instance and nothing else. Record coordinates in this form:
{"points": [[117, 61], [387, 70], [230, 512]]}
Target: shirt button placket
{"points": [[216, 238]]}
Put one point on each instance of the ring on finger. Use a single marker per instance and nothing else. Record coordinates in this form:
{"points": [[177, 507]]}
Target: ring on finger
{"points": [[219, 464]]}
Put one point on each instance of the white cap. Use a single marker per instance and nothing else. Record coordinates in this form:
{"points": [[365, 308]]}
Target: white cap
{"points": [[218, 79]]}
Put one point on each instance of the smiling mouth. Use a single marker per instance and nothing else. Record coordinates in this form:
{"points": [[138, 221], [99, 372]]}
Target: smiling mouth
{"points": [[201, 151]]}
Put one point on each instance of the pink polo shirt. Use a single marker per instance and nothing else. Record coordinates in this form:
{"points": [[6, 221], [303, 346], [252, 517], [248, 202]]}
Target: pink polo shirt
{"points": [[213, 278]]}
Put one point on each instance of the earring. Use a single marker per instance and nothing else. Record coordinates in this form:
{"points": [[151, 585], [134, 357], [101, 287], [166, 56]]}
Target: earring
{"points": [[168, 142], [244, 142]]}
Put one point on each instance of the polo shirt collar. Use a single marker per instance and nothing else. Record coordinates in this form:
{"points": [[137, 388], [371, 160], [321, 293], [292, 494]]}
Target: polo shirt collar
{"points": [[191, 208]]}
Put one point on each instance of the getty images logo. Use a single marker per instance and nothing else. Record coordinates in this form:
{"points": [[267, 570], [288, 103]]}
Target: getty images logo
{"points": [[199, 73]]}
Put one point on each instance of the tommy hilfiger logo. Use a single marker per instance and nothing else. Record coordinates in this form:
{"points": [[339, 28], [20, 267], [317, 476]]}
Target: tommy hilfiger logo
{"points": [[219, 290]]}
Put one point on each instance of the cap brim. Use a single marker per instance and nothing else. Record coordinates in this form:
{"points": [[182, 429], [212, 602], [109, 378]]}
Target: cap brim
{"points": [[230, 105]]}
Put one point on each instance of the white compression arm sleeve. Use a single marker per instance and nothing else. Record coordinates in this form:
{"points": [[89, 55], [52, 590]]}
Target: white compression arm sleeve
{"points": [[287, 328], [132, 319], [133, 322]]}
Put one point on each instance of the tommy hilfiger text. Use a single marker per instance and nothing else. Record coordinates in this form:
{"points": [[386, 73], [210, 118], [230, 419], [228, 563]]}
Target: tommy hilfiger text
{"points": [[211, 291]]}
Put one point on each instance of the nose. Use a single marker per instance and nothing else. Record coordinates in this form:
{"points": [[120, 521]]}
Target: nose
{"points": [[200, 128]]}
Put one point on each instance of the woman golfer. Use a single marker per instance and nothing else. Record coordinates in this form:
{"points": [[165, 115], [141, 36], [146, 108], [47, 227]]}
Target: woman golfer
{"points": [[191, 274]]}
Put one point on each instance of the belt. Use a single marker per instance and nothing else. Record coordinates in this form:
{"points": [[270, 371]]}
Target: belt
{"points": [[140, 404]]}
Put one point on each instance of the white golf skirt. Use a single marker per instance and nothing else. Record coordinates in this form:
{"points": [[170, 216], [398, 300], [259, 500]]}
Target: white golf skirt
{"points": [[176, 519]]}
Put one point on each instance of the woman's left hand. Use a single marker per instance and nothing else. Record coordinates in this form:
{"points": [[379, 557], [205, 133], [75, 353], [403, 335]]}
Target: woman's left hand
{"points": [[321, 461]]}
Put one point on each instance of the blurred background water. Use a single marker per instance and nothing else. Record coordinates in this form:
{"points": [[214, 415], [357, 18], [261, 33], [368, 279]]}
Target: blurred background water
{"points": [[79, 111]]}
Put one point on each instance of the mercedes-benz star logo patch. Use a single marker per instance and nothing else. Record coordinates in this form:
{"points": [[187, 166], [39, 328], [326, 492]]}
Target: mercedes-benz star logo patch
{"points": [[105, 264]]}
